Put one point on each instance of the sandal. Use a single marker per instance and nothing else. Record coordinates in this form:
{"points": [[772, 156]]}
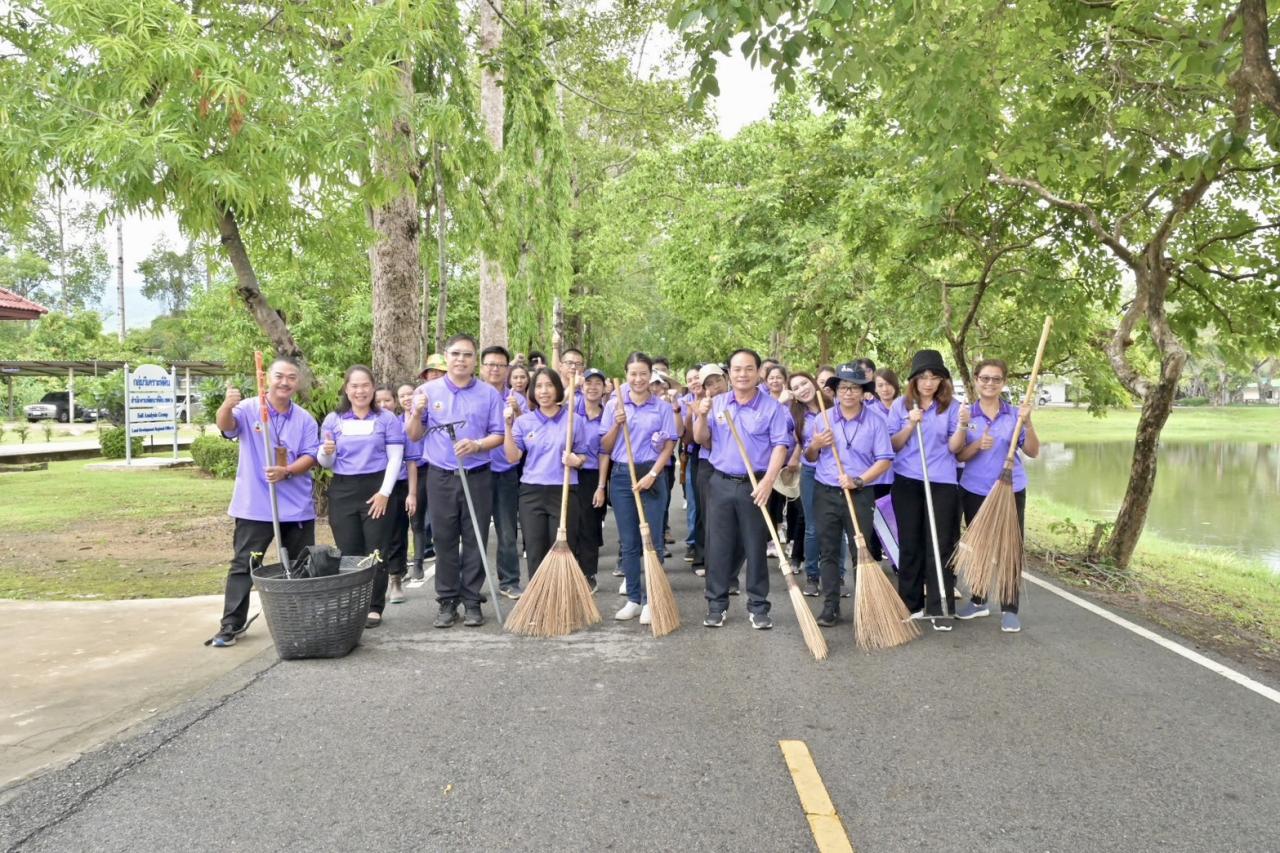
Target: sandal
{"points": [[373, 620]]}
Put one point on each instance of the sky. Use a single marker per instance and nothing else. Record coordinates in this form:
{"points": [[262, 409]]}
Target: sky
{"points": [[746, 95]]}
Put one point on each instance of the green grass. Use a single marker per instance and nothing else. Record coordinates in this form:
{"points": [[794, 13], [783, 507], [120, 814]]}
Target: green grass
{"points": [[81, 432], [1201, 423], [81, 580], [1220, 585]]}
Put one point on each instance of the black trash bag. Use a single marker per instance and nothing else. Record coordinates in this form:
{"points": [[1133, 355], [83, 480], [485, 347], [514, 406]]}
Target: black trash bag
{"points": [[317, 561]]}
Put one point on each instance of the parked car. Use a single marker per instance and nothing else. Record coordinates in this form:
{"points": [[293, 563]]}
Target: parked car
{"points": [[56, 405]]}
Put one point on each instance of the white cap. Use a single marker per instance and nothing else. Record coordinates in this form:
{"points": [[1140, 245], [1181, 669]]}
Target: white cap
{"points": [[708, 370]]}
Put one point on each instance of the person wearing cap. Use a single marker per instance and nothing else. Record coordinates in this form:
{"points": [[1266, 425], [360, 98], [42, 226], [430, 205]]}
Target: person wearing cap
{"points": [[434, 368], [987, 444], [592, 479], [929, 402], [862, 441], [664, 389], [712, 379], [293, 428], [494, 363], [424, 550], [734, 519], [689, 470], [474, 409]]}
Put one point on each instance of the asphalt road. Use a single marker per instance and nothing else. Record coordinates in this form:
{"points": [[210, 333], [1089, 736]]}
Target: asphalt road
{"points": [[1075, 735]]}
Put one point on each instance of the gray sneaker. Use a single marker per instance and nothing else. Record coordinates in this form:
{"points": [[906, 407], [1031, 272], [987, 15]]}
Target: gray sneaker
{"points": [[715, 619], [972, 610], [761, 621], [811, 588], [512, 591], [845, 592], [447, 616], [1010, 623]]}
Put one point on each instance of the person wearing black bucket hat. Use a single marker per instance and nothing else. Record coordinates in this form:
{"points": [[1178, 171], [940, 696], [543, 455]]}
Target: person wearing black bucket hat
{"points": [[928, 402]]}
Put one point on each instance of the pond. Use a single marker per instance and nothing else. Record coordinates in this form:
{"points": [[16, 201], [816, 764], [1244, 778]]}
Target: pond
{"points": [[1220, 494]]}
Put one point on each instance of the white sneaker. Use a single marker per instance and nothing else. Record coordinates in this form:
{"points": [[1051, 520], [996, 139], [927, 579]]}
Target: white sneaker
{"points": [[622, 587], [645, 618], [630, 610], [771, 551]]}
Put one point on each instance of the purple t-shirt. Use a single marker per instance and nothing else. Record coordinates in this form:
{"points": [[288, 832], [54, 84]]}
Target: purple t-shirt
{"points": [[862, 442], [762, 423], [651, 425], [592, 452], [362, 442], [412, 452], [981, 472], [938, 430], [878, 407], [811, 420], [542, 439], [296, 431], [498, 457], [478, 406]]}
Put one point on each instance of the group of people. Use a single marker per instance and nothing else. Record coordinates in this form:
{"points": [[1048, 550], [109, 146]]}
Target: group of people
{"points": [[487, 436]]}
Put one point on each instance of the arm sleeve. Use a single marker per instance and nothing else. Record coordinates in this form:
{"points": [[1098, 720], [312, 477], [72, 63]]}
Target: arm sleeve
{"points": [[238, 415], [394, 430], [581, 438], [330, 425], [395, 458], [880, 446], [310, 444], [517, 432], [496, 425], [782, 430]]}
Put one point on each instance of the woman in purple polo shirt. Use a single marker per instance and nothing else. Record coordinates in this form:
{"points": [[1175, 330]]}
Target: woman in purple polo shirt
{"points": [[538, 436], [404, 499], [929, 402], [887, 389], [364, 446], [592, 479], [804, 412], [987, 445], [652, 426]]}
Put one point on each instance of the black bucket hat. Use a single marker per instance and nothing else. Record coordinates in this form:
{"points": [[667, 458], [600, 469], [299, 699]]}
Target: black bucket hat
{"points": [[851, 372], [930, 360]]}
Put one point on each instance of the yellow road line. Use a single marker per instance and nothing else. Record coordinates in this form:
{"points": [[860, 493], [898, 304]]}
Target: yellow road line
{"points": [[828, 830]]}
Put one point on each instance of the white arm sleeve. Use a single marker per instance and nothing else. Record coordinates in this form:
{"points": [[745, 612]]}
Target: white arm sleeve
{"points": [[395, 456], [325, 460]]}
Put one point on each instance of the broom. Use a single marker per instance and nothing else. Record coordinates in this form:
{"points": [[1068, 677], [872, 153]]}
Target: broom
{"points": [[664, 616], [557, 600], [808, 625], [880, 619], [989, 555]]}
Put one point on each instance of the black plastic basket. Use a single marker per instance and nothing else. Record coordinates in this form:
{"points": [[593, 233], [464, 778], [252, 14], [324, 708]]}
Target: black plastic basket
{"points": [[315, 617]]}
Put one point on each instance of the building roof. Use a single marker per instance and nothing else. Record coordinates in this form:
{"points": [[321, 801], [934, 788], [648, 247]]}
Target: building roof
{"points": [[96, 368], [15, 307]]}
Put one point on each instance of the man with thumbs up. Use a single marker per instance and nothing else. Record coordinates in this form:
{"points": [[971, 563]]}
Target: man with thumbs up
{"points": [[295, 439]]}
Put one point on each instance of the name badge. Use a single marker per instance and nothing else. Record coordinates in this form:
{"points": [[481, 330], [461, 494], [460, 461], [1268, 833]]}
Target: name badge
{"points": [[358, 429]]}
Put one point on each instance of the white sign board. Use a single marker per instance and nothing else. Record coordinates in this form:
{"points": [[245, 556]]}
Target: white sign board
{"points": [[150, 396]]}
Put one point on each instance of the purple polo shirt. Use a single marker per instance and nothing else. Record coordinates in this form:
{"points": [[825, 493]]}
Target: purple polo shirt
{"points": [[498, 457], [937, 429], [542, 439], [862, 441], [811, 420], [362, 442], [593, 438], [477, 405], [686, 401], [762, 423], [879, 408], [294, 430], [981, 472], [412, 453], [651, 425]]}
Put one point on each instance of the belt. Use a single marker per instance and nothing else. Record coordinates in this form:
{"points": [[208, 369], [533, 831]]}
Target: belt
{"points": [[453, 472], [743, 479]]}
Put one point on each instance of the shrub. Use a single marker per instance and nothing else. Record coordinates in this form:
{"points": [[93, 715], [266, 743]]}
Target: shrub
{"points": [[47, 428], [112, 441], [216, 455], [23, 430], [1194, 401]]}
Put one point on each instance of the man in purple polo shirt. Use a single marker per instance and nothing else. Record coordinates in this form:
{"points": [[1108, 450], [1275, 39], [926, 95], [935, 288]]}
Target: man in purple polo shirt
{"points": [[291, 428], [458, 397], [734, 520]]}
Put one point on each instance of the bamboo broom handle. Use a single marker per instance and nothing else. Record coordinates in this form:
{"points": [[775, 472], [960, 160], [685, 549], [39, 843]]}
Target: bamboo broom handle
{"points": [[631, 459], [826, 416], [1031, 390], [568, 448], [751, 476]]}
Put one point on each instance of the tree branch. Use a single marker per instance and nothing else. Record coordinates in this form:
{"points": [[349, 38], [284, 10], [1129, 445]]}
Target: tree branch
{"points": [[1079, 208]]}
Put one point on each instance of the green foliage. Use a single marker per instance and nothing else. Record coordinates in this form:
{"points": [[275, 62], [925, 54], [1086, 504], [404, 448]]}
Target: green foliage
{"points": [[169, 276], [54, 255], [215, 455], [112, 443], [23, 429], [46, 427]]}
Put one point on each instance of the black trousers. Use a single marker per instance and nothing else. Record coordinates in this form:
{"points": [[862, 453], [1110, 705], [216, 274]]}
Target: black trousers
{"points": [[589, 521], [737, 529], [691, 481], [970, 503], [702, 476], [831, 515], [459, 571], [540, 519], [917, 572], [505, 508], [670, 474], [420, 524], [254, 537], [354, 532], [393, 558], [795, 530], [879, 490]]}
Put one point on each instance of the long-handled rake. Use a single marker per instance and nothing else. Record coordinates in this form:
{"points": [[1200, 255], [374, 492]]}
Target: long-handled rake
{"points": [[808, 625], [475, 525], [880, 619], [269, 457]]}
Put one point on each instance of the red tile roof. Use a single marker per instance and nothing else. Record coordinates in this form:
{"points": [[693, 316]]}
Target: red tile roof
{"points": [[15, 307]]}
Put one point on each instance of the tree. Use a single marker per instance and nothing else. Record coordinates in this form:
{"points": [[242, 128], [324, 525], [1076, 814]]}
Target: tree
{"points": [[168, 276]]}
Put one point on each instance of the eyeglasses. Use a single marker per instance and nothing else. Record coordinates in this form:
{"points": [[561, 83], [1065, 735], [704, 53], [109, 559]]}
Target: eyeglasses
{"points": [[848, 389], [492, 364], [453, 353], [988, 380], [570, 363]]}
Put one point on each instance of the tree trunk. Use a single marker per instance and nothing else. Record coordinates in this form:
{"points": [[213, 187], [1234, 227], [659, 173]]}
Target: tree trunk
{"points": [[557, 332], [120, 271], [493, 282], [270, 321], [395, 257], [442, 245], [62, 258]]}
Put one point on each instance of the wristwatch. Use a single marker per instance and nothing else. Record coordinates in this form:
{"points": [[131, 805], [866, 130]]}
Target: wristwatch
{"points": [[858, 483]]}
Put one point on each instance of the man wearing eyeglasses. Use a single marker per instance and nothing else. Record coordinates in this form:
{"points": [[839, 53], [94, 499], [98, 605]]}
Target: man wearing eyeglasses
{"points": [[495, 365], [476, 407], [572, 362]]}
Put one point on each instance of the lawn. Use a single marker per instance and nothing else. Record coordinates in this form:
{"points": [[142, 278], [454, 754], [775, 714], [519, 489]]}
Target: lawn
{"points": [[1200, 423]]}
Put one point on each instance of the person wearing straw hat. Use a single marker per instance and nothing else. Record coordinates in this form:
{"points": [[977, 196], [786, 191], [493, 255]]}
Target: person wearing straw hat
{"points": [[734, 519], [863, 447], [993, 420], [474, 410], [435, 367], [294, 429], [929, 403]]}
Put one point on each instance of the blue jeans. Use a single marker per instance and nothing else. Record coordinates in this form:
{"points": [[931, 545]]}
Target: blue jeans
{"points": [[630, 545], [506, 508], [808, 477], [691, 498]]}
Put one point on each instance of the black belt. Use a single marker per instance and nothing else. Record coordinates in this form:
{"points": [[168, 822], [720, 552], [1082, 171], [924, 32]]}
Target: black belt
{"points": [[743, 479], [453, 472]]}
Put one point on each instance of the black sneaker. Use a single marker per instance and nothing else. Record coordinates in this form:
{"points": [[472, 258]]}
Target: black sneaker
{"points": [[592, 585], [715, 619], [689, 556], [225, 637], [761, 621], [474, 617], [830, 616], [845, 592], [447, 616], [733, 589], [811, 588]]}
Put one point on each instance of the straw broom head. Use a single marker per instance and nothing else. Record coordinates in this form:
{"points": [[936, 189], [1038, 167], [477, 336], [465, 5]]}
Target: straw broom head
{"points": [[989, 556], [664, 616]]}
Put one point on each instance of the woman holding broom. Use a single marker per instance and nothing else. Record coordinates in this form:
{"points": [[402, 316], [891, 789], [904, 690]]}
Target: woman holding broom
{"points": [[651, 424], [804, 412], [926, 409], [593, 478], [992, 423]]}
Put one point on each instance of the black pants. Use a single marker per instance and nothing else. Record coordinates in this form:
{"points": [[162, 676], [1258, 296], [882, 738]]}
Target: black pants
{"points": [[397, 546], [506, 511], [702, 476], [879, 490], [831, 515], [691, 485], [459, 571], [254, 537], [589, 521], [970, 504], [670, 474], [795, 530], [540, 520], [737, 530], [420, 524], [355, 532], [777, 507], [917, 572]]}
